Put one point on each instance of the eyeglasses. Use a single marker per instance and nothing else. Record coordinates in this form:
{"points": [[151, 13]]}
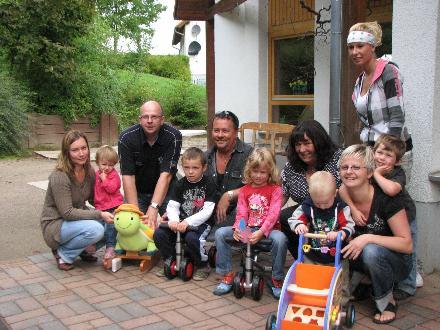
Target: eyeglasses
{"points": [[354, 168], [148, 117]]}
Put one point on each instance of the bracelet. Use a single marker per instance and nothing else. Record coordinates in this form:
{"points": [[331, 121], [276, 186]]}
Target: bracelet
{"points": [[230, 195]]}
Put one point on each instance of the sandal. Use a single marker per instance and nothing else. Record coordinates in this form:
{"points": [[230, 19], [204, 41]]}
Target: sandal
{"points": [[390, 308], [61, 265]]}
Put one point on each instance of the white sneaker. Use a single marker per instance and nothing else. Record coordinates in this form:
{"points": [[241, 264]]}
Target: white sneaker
{"points": [[419, 280]]}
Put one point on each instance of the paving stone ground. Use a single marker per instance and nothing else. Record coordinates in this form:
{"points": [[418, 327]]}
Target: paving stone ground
{"points": [[34, 294]]}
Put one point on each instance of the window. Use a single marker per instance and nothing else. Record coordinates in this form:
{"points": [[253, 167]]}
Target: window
{"points": [[291, 62]]}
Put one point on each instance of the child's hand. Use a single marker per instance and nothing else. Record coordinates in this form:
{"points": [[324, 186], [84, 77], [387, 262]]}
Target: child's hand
{"points": [[383, 169], [102, 176], [173, 225], [182, 226], [358, 218], [333, 235], [107, 217], [237, 235], [301, 229], [256, 236]]}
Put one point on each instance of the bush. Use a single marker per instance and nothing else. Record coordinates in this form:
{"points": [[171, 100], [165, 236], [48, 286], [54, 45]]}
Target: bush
{"points": [[14, 103], [184, 104], [167, 66]]}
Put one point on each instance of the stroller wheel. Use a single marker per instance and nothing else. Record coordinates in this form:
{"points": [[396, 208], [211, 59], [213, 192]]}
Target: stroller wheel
{"points": [[238, 285], [257, 287], [271, 322]]}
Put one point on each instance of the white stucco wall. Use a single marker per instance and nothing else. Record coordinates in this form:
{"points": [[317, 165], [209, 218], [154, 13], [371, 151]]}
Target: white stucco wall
{"points": [[416, 51], [416, 40], [322, 77], [241, 61], [197, 63]]}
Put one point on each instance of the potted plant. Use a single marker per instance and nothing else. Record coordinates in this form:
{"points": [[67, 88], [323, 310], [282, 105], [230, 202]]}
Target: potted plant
{"points": [[298, 86]]}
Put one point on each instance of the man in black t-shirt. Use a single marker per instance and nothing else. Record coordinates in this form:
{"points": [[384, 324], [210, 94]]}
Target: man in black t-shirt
{"points": [[149, 152]]}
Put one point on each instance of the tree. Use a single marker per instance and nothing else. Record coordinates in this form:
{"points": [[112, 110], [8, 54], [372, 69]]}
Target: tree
{"points": [[39, 40], [130, 19]]}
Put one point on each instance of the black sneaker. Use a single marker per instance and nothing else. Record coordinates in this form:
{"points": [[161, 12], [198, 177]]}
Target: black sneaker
{"points": [[362, 292], [400, 294]]}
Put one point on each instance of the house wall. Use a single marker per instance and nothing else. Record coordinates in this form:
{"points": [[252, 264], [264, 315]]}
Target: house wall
{"points": [[197, 63], [241, 61], [322, 77], [416, 40]]}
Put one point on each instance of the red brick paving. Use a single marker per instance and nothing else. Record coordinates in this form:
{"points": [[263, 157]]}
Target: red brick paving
{"points": [[34, 294]]}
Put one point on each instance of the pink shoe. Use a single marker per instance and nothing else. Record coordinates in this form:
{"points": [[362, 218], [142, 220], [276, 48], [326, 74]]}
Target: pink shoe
{"points": [[109, 253]]}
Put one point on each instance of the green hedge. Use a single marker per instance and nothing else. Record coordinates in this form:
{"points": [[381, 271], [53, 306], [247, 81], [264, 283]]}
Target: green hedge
{"points": [[167, 66], [14, 103], [184, 104]]}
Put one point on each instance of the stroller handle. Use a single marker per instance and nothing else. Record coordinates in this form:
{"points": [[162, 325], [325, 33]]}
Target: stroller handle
{"points": [[311, 235]]}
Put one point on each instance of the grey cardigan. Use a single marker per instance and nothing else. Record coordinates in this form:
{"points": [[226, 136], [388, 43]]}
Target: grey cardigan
{"points": [[65, 201]]}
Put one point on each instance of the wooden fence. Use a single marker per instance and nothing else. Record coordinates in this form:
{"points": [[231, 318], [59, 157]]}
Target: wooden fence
{"points": [[47, 130]]}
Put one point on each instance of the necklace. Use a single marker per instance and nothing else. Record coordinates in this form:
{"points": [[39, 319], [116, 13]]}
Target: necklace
{"points": [[222, 160]]}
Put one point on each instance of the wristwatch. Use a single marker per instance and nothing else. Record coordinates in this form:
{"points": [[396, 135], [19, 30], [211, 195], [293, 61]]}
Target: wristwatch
{"points": [[230, 195], [154, 205]]}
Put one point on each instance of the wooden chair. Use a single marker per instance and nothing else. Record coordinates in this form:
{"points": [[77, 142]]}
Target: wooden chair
{"points": [[268, 134]]}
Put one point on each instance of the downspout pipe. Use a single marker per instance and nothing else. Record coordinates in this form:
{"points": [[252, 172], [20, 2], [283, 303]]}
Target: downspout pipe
{"points": [[335, 71]]}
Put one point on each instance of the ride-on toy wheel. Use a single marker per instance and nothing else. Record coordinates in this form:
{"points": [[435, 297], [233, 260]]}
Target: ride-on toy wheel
{"points": [[257, 287], [186, 269], [169, 268], [211, 256], [350, 316], [271, 322], [238, 286]]}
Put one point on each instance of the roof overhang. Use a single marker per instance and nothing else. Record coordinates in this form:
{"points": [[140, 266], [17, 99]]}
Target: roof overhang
{"points": [[202, 10]]}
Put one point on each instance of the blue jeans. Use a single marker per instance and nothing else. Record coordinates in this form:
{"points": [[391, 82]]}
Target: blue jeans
{"points": [[384, 267], [409, 284], [76, 236], [110, 231], [224, 259]]}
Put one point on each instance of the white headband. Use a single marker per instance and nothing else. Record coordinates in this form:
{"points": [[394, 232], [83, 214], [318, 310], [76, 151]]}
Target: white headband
{"points": [[361, 36]]}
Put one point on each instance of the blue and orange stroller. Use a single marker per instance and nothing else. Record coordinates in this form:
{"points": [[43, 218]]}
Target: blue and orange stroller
{"points": [[311, 297]]}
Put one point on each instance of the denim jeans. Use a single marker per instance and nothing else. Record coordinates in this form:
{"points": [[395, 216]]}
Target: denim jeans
{"points": [[110, 235], [224, 259], [110, 231], [384, 267], [76, 236], [165, 240], [409, 284], [293, 239]]}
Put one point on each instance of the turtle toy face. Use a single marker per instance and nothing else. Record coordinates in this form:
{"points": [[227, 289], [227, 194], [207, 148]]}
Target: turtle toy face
{"points": [[127, 223]]}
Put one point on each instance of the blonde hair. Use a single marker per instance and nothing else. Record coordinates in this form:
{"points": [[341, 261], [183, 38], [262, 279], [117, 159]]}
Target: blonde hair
{"points": [[64, 163], [391, 143], [372, 27], [258, 157], [362, 152], [107, 153], [322, 183]]}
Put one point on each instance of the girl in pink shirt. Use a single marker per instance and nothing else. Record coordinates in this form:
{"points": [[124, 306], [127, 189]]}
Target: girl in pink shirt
{"points": [[107, 192], [259, 205]]}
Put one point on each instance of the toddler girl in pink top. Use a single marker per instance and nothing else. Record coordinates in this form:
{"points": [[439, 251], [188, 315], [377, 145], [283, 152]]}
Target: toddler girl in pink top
{"points": [[107, 192], [259, 205]]}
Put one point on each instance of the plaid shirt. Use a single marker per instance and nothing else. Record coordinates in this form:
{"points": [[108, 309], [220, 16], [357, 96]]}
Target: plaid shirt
{"points": [[384, 113]]}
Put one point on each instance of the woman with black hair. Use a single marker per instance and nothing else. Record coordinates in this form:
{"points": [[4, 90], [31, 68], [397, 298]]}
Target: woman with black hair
{"points": [[310, 149]]}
